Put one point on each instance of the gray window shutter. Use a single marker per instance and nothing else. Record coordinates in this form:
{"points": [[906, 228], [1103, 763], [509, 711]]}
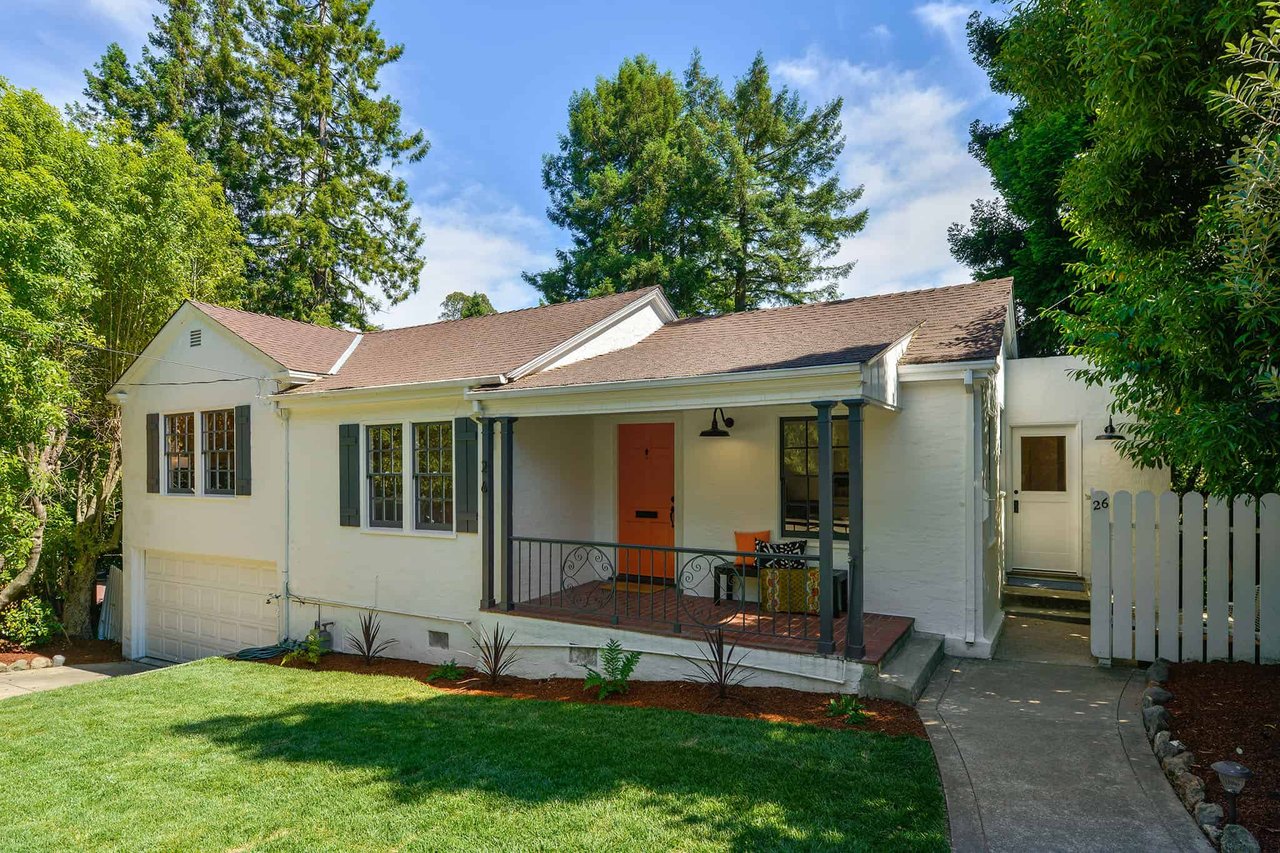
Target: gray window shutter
{"points": [[244, 452], [349, 475], [466, 476], [153, 453]]}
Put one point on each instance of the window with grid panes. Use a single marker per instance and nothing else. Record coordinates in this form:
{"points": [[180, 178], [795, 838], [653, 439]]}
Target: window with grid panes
{"points": [[385, 471], [219, 430], [800, 476], [179, 453], [433, 475]]}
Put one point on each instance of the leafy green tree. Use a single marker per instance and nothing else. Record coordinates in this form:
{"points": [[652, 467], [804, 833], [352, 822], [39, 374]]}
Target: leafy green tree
{"points": [[460, 306], [729, 200], [281, 97], [45, 293], [1021, 234]]}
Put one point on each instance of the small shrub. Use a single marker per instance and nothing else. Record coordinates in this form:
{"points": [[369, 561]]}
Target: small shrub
{"points": [[848, 707], [721, 665], [447, 672], [366, 642], [310, 650], [494, 657], [30, 622], [615, 670]]}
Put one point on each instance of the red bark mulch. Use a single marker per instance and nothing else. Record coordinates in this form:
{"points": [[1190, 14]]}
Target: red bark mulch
{"points": [[1220, 707], [774, 704], [74, 650]]}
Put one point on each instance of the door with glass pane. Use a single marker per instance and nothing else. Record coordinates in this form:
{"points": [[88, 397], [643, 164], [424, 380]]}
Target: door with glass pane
{"points": [[1045, 512]]}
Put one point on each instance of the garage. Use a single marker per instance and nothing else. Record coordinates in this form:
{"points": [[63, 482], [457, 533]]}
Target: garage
{"points": [[201, 606]]}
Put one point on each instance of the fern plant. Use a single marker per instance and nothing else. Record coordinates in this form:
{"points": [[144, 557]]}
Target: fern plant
{"points": [[848, 707], [310, 650], [366, 642], [447, 672], [720, 666], [494, 657], [614, 673]]}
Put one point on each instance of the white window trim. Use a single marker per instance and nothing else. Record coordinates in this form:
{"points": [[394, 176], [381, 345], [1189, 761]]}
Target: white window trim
{"points": [[408, 497], [197, 471]]}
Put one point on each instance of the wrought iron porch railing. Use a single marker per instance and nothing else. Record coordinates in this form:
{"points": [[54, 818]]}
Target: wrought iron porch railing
{"points": [[678, 588]]}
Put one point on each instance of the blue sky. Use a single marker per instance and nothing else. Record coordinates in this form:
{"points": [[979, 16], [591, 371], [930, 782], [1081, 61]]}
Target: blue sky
{"points": [[490, 84]]}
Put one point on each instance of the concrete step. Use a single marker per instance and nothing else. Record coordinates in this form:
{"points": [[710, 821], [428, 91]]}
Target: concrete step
{"points": [[1053, 599], [904, 677], [1057, 614]]}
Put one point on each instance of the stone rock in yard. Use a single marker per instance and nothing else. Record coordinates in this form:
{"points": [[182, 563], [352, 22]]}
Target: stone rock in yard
{"points": [[1155, 719], [4, 667], [1158, 672], [1178, 764], [1237, 839], [1155, 695], [19, 665], [1165, 746], [1208, 814], [41, 663], [59, 660], [1190, 788], [1214, 833]]}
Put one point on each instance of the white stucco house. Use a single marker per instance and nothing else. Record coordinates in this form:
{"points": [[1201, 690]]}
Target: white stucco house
{"points": [[603, 469]]}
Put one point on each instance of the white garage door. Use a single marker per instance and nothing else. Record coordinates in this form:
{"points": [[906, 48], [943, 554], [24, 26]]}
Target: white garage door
{"points": [[200, 606]]}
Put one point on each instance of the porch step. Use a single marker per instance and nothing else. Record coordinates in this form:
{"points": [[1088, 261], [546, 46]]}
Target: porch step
{"points": [[1048, 599], [1056, 614], [904, 677]]}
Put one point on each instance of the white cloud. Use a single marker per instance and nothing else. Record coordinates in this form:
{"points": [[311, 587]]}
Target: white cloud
{"points": [[881, 33], [948, 19], [131, 16], [907, 145], [473, 242]]}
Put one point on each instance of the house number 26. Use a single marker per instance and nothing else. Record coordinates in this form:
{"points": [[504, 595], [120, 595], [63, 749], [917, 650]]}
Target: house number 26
{"points": [[1104, 503]]}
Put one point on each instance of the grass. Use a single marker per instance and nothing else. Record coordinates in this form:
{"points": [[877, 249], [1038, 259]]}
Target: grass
{"points": [[219, 755]]}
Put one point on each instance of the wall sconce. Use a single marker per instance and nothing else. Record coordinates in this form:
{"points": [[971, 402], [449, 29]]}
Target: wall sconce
{"points": [[715, 431], [1109, 432]]}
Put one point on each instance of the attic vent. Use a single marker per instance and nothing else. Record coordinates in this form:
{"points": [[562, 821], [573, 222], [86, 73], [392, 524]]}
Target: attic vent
{"points": [[195, 337]]}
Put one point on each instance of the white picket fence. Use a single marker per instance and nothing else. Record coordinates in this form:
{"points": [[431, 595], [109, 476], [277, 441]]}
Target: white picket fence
{"points": [[1185, 577]]}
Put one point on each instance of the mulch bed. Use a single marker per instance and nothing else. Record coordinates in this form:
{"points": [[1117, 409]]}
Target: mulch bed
{"points": [[74, 650], [1220, 707], [774, 704]]}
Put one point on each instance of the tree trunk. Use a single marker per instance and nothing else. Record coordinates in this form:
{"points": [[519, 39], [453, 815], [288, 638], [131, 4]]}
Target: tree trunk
{"points": [[93, 539], [40, 464]]}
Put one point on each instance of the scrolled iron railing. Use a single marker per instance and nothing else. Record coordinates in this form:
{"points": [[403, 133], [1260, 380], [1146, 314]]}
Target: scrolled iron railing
{"points": [[676, 588]]}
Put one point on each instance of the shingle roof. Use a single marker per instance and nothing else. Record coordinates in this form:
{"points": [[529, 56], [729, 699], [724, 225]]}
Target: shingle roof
{"points": [[465, 349], [297, 346], [955, 323]]}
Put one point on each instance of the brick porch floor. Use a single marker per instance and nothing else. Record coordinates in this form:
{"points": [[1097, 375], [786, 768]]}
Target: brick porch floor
{"points": [[658, 611]]}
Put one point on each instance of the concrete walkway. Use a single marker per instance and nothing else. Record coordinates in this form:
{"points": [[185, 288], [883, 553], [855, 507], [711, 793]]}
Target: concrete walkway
{"points": [[1049, 757], [37, 680]]}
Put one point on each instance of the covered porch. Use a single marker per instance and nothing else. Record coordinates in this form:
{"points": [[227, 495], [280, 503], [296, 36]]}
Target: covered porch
{"points": [[583, 531]]}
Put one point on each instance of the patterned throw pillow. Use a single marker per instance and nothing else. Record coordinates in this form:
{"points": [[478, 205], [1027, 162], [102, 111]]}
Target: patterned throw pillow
{"points": [[796, 547]]}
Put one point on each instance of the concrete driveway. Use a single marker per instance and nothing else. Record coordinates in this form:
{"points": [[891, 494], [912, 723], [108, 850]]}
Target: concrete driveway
{"points": [[37, 680], [1052, 757]]}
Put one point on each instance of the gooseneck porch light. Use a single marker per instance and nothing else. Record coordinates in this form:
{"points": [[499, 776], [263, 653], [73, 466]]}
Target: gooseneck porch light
{"points": [[715, 431]]}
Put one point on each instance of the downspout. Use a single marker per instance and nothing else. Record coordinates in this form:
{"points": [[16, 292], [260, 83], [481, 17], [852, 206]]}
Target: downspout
{"points": [[973, 446], [283, 414]]}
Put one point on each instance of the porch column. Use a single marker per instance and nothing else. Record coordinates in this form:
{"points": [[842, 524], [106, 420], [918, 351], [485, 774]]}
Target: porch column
{"points": [[826, 529], [486, 512], [855, 647], [508, 567]]}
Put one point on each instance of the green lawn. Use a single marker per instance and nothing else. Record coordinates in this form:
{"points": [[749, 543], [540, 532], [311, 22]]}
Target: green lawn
{"points": [[219, 755]]}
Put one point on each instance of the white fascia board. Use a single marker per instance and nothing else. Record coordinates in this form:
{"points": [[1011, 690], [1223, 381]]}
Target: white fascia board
{"points": [[346, 354], [145, 360], [944, 370], [384, 393], [656, 299]]}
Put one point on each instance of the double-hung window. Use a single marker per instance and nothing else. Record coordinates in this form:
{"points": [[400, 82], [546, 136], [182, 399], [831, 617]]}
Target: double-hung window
{"points": [[385, 471], [799, 473], [179, 453], [433, 475], [219, 428]]}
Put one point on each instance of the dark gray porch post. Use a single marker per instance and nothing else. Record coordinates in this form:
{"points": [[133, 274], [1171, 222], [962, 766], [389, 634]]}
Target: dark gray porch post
{"points": [[486, 512], [508, 495], [826, 530], [855, 647]]}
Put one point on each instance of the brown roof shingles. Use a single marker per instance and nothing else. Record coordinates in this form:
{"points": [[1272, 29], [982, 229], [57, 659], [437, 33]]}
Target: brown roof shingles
{"points": [[466, 349], [954, 324], [296, 345]]}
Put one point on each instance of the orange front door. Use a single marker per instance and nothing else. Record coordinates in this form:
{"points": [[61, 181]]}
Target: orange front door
{"points": [[646, 499]]}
